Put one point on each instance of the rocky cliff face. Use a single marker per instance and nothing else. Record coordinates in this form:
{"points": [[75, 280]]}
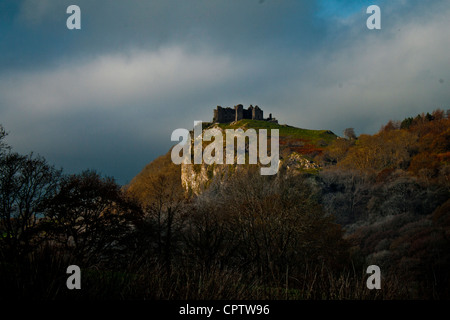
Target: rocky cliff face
{"points": [[297, 148], [197, 177]]}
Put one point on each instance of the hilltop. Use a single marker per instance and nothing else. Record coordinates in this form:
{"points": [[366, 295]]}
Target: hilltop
{"points": [[316, 139], [298, 148]]}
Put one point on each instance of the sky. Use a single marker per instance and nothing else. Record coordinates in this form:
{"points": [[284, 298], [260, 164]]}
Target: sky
{"points": [[107, 97]]}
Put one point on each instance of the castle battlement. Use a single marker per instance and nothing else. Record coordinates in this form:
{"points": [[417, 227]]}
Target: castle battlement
{"points": [[224, 115]]}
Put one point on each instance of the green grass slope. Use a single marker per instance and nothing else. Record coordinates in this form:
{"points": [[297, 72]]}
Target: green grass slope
{"points": [[303, 141]]}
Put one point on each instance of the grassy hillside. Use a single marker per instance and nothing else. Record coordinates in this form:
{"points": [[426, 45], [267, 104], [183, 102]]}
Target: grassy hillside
{"points": [[286, 131], [303, 141]]}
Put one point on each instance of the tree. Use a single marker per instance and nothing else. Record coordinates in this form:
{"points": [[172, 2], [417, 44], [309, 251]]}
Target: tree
{"points": [[406, 123], [386, 149], [159, 191], [3, 146], [438, 114], [346, 193], [26, 182], [337, 150], [391, 125], [206, 236], [349, 133], [91, 218], [274, 228]]}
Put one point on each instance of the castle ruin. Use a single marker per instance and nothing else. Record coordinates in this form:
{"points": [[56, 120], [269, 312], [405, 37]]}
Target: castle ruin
{"points": [[224, 115]]}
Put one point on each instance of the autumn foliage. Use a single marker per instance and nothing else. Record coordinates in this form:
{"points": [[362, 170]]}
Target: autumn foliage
{"points": [[391, 193]]}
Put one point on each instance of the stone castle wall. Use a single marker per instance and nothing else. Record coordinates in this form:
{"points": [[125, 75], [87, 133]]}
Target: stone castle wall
{"points": [[224, 115]]}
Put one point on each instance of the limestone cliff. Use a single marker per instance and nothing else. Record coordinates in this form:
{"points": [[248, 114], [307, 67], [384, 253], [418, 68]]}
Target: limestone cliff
{"points": [[297, 147]]}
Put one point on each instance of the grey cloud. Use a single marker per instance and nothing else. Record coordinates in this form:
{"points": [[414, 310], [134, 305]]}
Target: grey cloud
{"points": [[363, 78], [109, 96], [114, 80]]}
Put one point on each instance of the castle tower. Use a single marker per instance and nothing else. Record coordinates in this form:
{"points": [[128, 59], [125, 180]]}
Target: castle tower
{"points": [[216, 114], [257, 113], [219, 114], [239, 109]]}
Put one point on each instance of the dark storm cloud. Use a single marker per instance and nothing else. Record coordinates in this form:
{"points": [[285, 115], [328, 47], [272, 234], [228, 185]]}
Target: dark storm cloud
{"points": [[117, 25], [109, 95]]}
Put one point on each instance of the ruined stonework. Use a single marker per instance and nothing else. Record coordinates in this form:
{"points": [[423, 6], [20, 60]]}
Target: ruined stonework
{"points": [[224, 115]]}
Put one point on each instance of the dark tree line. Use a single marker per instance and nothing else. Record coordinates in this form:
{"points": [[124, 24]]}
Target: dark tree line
{"points": [[253, 237], [49, 218], [301, 236]]}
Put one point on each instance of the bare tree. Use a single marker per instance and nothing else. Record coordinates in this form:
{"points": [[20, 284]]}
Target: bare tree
{"points": [[346, 193], [25, 183], [91, 217], [274, 227], [163, 198], [3, 145], [349, 133], [205, 236]]}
